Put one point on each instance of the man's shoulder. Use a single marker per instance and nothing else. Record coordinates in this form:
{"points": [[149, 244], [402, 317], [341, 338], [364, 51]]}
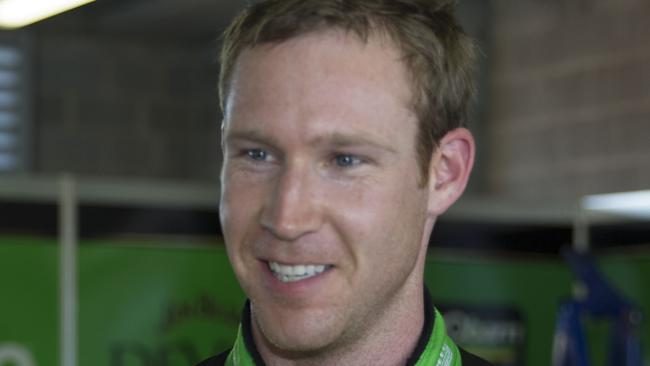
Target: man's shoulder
{"points": [[469, 359], [217, 360]]}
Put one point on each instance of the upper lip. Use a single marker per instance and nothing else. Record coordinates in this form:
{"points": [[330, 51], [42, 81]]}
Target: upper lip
{"points": [[294, 262]]}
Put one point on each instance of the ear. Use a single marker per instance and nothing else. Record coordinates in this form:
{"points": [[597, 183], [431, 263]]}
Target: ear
{"points": [[449, 170]]}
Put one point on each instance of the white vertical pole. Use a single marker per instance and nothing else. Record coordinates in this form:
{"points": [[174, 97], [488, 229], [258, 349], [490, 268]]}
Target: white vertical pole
{"points": [[68, 270]]}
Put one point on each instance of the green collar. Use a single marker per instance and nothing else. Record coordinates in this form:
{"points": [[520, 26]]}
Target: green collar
{"points": [[434, 347]]}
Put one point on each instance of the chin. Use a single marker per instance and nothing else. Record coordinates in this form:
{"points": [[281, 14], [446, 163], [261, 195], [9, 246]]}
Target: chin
{"points": [[300, 345], [304, 334]]}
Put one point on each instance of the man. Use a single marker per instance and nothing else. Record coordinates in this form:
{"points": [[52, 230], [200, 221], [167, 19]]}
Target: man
{"points": [[343, 141]]}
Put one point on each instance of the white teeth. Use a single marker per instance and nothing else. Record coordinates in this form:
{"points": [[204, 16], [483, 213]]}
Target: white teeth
{"points": [[297, 272]]}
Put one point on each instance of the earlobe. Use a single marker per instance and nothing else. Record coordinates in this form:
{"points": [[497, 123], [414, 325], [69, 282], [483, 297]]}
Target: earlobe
{"points": [[450, 168]]}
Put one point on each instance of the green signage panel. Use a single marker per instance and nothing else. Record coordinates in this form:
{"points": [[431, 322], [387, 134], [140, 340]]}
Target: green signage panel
{"points": [[29, 302], [157, 303], [144, 305]]}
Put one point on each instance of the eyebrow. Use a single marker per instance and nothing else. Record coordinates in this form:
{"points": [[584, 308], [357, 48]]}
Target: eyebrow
{"points": [[335, 139], [251, 135], [338, 139]]}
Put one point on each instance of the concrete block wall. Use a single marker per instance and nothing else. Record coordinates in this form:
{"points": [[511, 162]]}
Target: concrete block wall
{"points": [[570, 98], [568, 102], [126, 108]]}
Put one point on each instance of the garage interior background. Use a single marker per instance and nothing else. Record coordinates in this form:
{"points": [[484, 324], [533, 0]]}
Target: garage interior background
{"points": [[121, 95]]}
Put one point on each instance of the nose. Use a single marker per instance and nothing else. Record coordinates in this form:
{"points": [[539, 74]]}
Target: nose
{"points": [[292, 210]]}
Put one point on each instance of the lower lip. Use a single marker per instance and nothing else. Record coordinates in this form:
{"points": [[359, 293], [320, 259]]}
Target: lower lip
{"points": [[305, 286]]}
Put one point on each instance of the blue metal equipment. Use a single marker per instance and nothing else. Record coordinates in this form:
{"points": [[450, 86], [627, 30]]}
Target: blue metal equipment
{"points": [[599, 300]]}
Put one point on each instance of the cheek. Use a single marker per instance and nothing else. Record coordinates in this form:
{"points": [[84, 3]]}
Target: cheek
{"points": [[240, 202], [237, 215], [383, 219], [242, 193]]}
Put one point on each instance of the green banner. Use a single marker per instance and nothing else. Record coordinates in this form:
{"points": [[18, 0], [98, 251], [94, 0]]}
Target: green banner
{"points": [[157, 302], [146, 306], [139, 304], [29, 307]]}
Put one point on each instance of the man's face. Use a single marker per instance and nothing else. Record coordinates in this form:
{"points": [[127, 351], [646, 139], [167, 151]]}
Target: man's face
{"points": [[321, 210]]}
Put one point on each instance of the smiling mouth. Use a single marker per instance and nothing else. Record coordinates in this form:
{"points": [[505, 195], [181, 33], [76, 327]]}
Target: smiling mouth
{"points": [[293, 273]]}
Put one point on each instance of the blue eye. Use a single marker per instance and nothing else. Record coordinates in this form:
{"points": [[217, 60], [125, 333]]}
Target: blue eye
{"points": [[257, 154], [346, 160]]}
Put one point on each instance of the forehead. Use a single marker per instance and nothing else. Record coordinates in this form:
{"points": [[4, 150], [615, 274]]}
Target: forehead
{"points": [[329, 75]]}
